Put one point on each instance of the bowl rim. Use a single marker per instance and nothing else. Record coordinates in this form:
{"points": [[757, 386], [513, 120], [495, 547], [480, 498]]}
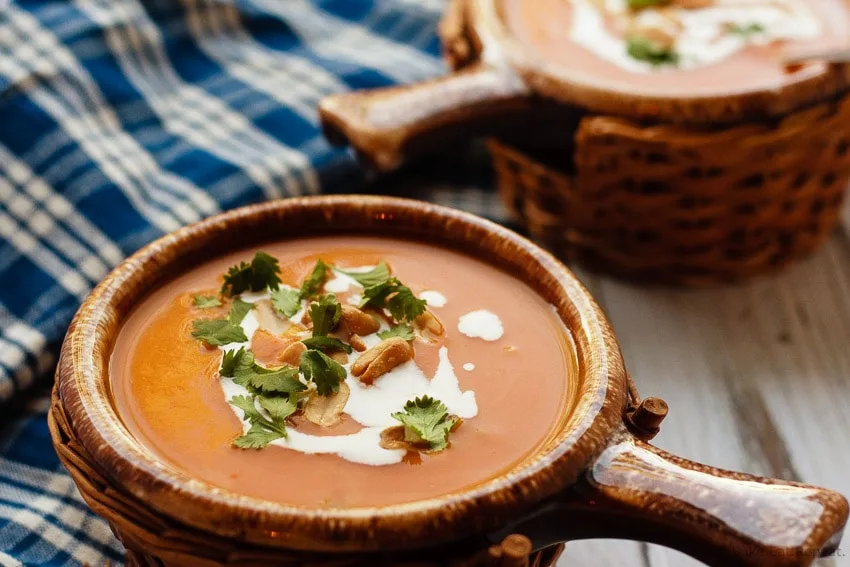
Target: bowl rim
{"points": [[83, 384], [812, 84]]}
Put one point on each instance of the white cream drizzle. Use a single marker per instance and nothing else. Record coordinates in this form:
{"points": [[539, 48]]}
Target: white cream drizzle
{"points": [[434, 298], [371, 406], [469, 367], [481, 324], [703, 39]]}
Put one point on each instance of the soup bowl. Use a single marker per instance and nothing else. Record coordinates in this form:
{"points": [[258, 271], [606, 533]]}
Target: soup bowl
{"points": [[689, 177], [595, 476]]}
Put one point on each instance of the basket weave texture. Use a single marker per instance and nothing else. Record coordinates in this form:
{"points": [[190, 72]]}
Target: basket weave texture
{"points": [[154, 540], [679, 205]]}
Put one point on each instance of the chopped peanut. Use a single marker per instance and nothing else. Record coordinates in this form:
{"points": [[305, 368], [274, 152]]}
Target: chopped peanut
{"points": [[339, 356], [381, 358], [356, 342], [292, 354], [267, 347], [657, 28], [327, 410], [430, 325], [269, 318], [358, 322], [393, 438]]}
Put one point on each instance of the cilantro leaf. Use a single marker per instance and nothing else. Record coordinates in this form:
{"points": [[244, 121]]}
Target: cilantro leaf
{"points": [[246, 404], [266, 270], [404, 331], [426, 420], [263, 430], [286, 301], [263, 272], [218, 332], [238, 310], [240, 366], [325, 314], [376, 295], [206, 301], [257, 437], [278, 408], [315, 280], [405, 306], [377, 275], [395, 296], [750, 29], [282, 380], [324, 371], [642, 49], [326, 343], [234, 361]]}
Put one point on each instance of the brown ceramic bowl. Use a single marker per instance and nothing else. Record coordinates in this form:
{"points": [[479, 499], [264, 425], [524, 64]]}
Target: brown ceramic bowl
{"points": [[648, 176], [597, 477]]}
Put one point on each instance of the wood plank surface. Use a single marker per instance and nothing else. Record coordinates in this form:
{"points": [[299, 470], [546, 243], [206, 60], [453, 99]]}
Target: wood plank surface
{"points": [[757, 376]]}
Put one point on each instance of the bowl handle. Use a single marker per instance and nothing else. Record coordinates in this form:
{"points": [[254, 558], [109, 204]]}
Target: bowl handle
{"points": [[636, 491], [386, 126]]}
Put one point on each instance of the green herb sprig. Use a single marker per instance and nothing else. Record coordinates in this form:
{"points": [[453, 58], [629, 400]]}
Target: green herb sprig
{"points": [[206, 301], [263, 272], [404, 331], [426, 420], [395, 296], [643, 49]]}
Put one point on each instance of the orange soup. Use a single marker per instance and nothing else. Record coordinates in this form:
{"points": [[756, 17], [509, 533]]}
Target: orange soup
{"points": [[343, 372], [677, 48]]}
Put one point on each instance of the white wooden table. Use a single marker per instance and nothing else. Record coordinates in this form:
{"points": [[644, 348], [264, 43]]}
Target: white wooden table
{"points": [[757, 377]]}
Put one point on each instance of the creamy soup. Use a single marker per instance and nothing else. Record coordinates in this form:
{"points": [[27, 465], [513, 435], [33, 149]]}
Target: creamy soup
{"points": [[679, 46], [343, 372]]}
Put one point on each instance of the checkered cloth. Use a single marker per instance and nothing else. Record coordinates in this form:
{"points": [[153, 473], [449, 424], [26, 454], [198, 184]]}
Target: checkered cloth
{"points": [[121, 120]]}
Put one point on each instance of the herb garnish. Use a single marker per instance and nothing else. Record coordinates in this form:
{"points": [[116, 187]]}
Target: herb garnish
{"points": [[265, 385], [218, 332], [426, 420], [263, 272], [324, 371], [395, 296], [325, 314], [206, 301], [314, 282], [750, 29], [240, 366], [377, 275], [643, 49], [326, 343], [263, 431], [287, 301], [404, 331], [238, 310]]}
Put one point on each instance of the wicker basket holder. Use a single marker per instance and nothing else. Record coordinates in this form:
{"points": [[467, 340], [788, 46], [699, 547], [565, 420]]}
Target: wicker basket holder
{"points": [[152, 539], [665, 203], [684, 206]]}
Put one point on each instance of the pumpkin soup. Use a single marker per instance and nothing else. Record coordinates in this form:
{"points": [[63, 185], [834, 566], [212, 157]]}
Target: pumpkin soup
{"points": [[343, 372], [679, 47]]}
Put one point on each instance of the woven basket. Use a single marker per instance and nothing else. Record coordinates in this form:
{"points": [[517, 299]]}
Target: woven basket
{"points": [[664, 203], [678, 205], [154, 540]]}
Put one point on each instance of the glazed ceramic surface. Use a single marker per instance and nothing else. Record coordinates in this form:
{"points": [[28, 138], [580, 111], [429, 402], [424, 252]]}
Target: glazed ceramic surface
{"points": [[595, 477]]}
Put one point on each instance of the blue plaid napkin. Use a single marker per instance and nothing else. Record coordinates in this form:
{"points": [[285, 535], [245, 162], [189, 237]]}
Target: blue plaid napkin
{"points": [[121, 120]]}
